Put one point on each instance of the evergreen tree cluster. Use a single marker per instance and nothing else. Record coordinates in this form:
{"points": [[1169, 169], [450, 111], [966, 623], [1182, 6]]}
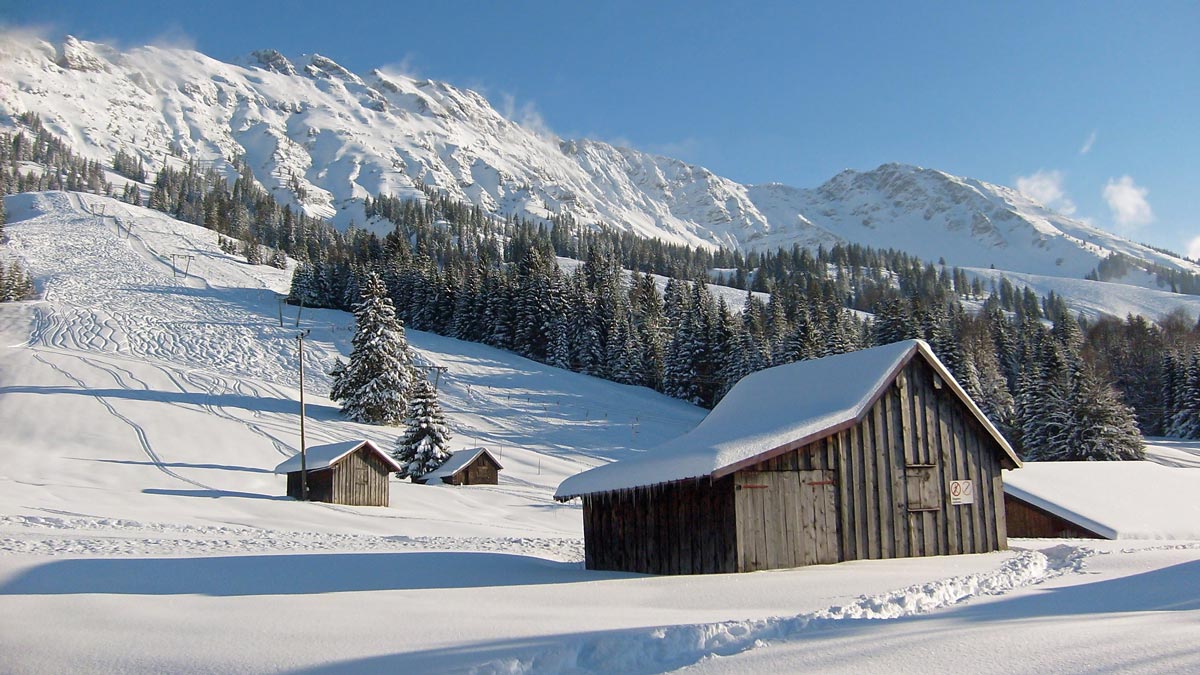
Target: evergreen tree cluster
{"points": [[499, 283], [129, 166], [451, 268], [61, 169], [15, 282], [1153, 366], [241, 210], [1118, 265]]}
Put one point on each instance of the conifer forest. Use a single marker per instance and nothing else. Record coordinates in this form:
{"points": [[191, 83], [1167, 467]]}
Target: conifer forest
{"points": [[640, 312]]}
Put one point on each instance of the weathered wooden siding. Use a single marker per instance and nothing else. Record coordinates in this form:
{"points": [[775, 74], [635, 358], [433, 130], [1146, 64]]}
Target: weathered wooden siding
{"points": [[685, 527], [785, 519], [918, 427], [890, 496], [360, 479], [1026, 520], [319, 485]]}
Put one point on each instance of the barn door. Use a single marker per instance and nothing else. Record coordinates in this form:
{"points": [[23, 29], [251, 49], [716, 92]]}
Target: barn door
{"points": [[785, 519], [818, 517]]}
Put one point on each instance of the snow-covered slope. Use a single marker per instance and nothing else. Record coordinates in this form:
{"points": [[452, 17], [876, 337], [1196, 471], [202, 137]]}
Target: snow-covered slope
{"points": [[137, 390], [325, 138], [141, 412], [935, 215]]}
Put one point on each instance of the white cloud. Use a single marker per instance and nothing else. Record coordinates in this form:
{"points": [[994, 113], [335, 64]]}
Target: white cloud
{"points": [[1193, 249], [1087, 145], [172, 37], [526, 115], [1046, 187], [405, 67], [1128, 203]]}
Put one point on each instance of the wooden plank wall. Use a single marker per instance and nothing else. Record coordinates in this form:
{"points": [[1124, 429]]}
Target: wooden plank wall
{"points": [[360, 479], [685, 527], [483, 471], [1026, 520], [319, 486], [914, 423], [694, 526], [785, 519]]}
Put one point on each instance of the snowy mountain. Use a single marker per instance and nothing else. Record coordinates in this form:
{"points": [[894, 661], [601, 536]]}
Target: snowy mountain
{"points": [[324, 138]]}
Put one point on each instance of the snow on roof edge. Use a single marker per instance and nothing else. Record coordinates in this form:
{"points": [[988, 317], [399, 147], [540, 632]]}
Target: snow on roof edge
{"points": [[975, 409], [316, 459], [458, 461], [1073, 517], [661, 470]]}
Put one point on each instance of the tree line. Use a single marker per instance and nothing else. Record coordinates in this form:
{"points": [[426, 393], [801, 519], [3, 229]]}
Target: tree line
{"points": [[450, 268]]}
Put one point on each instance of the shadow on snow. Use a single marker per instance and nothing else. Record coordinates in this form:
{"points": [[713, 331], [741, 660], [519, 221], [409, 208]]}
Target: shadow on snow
{"points": [[295, 574]]}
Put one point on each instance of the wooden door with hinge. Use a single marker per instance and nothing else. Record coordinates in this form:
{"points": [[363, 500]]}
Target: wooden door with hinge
{"points": [[785, 519]]}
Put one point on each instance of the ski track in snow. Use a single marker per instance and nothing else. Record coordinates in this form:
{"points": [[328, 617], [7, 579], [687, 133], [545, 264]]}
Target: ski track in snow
{"points": [[143, 441], [184, 321], [667, 648]]}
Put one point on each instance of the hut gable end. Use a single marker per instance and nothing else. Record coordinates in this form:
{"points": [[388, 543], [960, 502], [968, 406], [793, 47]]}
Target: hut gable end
{"points": [[353, 473]]}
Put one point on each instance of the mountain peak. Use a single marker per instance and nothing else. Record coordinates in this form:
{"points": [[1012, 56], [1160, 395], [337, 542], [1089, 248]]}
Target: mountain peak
{"points": [[321, 139], [76, 54], [272, 60], [323, 66]]}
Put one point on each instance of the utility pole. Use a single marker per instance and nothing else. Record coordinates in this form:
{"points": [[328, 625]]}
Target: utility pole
{"points": [[303, 459], [438, 377]]}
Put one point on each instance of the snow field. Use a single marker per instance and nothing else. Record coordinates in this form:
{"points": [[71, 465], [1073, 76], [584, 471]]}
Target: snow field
{"points": [[141, 528]]}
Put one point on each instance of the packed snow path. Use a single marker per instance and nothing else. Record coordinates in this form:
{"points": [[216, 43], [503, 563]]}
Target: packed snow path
{"points": [[171, 379]]}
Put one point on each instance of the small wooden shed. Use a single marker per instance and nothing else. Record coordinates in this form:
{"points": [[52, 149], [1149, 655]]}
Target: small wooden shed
{"points": [[354, 473], [1103, 500], [873, 454], [474, 466], [1026, 519]]}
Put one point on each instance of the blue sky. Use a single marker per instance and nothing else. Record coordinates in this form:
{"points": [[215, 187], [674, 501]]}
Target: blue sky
{"points": [[1091, 106]]}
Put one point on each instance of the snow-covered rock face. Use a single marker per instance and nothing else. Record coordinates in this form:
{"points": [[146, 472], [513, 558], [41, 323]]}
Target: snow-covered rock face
{"points": [[322, 138], [77, 55]]}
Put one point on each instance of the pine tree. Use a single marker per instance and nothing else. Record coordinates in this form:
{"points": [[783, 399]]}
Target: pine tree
{"points": [[894, 321], [1186, 420], [1043, 403], [374, 386], [424, 446], [1102, 427]]}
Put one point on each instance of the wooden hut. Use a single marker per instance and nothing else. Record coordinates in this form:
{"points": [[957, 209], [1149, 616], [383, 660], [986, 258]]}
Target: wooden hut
{"points": [[1026, 519], [873, 454], [1103, 500], [351, 472], [474, 466]]}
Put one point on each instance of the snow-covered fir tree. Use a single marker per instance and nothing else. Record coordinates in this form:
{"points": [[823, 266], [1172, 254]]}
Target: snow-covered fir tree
{"points": [[373, 387], [1102, 427], [426, 440], [1185, 418], [15, 282]]}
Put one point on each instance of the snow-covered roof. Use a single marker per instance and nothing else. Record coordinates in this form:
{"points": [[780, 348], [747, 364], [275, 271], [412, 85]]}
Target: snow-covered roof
{"points": [[1118, 500], [322, 456], [457, 462], [772, 411]]}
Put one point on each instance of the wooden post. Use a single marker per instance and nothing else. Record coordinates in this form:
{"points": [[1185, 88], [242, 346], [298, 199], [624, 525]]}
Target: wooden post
{"points": [[303, 458]]}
